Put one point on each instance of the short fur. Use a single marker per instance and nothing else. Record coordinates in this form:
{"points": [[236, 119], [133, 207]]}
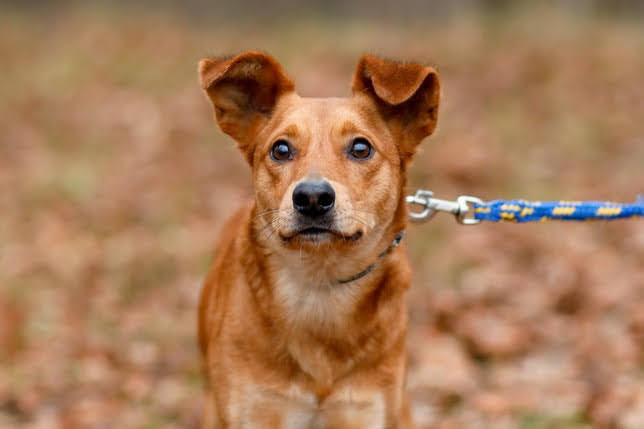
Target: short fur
{"points": [[285, 345]]}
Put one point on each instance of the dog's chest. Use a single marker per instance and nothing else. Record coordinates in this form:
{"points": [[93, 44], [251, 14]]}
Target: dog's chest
{"points": [[312, 299]]}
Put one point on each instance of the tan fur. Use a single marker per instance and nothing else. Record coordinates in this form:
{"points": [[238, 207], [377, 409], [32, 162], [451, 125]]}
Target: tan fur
{"points": [[284, 344]]}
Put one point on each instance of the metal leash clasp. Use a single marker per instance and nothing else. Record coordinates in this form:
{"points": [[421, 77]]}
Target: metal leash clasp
{"points": [[430, 206]]}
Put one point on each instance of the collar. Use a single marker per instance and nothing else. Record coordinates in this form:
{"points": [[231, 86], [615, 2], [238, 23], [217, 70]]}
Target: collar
{"points": [[371, 267]]}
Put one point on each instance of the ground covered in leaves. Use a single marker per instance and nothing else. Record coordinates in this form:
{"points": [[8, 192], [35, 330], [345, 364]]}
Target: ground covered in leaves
{"points": [[114, 182]]}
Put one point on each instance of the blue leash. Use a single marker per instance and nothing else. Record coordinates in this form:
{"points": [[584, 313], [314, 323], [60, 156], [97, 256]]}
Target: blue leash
{"points": [[471, 210], [542, 211]]}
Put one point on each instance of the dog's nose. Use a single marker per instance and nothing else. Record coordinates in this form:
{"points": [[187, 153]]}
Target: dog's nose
{"points": [[313, 198]]}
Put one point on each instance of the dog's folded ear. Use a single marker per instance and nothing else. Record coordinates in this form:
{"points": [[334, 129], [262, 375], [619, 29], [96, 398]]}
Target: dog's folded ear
{"points": [[243, 90], [407, 95]]}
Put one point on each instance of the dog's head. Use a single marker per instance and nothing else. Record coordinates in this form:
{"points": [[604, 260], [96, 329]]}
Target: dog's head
{"points": [[327, 171]]}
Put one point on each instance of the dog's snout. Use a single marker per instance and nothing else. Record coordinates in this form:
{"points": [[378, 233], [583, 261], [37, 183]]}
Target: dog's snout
{"points": [[313, 198]]}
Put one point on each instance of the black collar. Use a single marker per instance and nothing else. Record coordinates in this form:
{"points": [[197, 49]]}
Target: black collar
{"points": [[371, 267]]}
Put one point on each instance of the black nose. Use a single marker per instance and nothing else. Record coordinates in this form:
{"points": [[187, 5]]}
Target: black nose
{"points": [[313, 198]]}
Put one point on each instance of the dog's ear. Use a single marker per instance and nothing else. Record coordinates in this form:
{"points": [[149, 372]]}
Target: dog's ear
{"points": [[407, 95], [243, 90]]}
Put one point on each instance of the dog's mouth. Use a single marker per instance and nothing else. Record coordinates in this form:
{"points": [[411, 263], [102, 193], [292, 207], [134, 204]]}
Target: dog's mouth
{"points": [[320, 233], [314, 231]]}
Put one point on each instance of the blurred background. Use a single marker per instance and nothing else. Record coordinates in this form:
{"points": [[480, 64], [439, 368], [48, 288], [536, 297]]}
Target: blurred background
{"points": [[114, 181]]}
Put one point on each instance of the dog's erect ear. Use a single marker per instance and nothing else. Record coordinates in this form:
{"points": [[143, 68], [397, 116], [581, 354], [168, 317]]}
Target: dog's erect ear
{"points": [[407, 95], [244, 90]]}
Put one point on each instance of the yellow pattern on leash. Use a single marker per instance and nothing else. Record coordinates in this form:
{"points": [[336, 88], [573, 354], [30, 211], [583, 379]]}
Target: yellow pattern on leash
{"points": [[608, 211], [559, 211], [507, 216], [510, 207]]}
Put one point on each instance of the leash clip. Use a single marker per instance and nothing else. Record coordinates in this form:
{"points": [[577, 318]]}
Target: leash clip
{"points": [[430, 206]]}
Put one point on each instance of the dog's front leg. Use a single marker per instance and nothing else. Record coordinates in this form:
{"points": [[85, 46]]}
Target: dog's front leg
{"points": [[351, 408], [252, 406]]}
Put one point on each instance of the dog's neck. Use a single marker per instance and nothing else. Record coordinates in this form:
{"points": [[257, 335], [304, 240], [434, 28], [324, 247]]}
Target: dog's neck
{"points": [[320, 290], [394, 244]]}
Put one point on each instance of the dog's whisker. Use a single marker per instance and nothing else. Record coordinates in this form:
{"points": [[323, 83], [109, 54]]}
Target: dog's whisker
{"points": [[272, 230], [355, 212], [354, 217], [268, 225], [360, 211], [266, 231], [272, 222], [265, 213]]}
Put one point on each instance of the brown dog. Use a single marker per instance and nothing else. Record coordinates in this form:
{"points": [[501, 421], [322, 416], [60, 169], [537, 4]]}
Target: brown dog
{"points": [[302, 319]]}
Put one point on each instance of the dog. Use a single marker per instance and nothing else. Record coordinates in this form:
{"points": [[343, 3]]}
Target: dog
{"points": [[302, 317]]}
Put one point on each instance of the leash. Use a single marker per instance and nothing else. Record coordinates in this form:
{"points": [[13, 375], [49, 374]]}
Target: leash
{"points": [[470, 210]]}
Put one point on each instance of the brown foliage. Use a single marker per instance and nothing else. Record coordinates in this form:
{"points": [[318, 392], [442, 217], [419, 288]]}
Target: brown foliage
{"points": [[114, 181]]}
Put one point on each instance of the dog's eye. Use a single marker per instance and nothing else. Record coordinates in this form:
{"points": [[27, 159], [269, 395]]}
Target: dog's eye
{"points": [[360, 149], [281, 151]]}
